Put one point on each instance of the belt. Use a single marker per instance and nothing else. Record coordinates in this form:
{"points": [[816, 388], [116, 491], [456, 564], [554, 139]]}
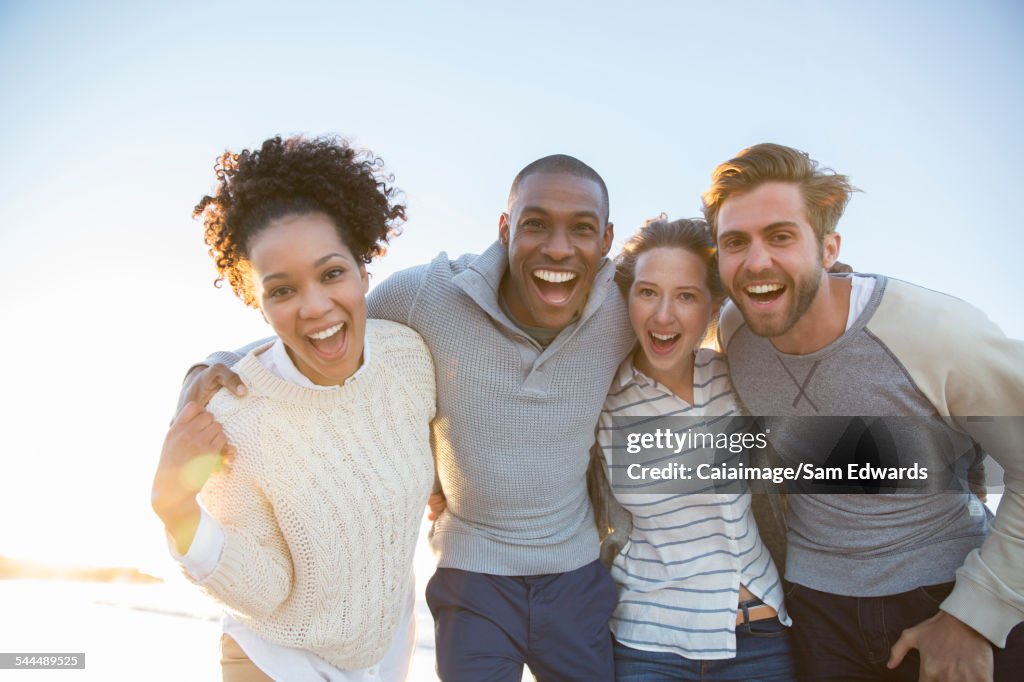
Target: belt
{"points": [[752, 610]]}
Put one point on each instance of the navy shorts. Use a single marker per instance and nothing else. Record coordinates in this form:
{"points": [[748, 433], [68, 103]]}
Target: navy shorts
{"points": [[487, 626]]}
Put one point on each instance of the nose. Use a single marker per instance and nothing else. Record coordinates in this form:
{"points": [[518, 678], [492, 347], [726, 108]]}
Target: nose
{"points": [[557, 246], [315, 304], [758, 257], [663, 313]]}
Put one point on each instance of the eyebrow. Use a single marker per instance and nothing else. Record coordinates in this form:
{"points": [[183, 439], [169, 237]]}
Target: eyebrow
{"points": [[764, 228], [655, 284], [579, 214], [317, 263], [777, 224]]}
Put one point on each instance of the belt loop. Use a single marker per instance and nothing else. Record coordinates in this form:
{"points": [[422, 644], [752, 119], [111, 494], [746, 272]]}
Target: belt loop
{"points": [[746, 613]]}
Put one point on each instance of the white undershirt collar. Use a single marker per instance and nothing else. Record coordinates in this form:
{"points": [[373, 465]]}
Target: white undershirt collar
{"points": [[279, 363]]}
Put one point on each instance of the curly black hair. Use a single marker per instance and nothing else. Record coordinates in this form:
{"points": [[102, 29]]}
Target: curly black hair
{"points": [[297, 176]]}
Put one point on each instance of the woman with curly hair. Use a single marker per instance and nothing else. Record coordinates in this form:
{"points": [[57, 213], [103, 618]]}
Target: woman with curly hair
{"points": [[307, 534]]}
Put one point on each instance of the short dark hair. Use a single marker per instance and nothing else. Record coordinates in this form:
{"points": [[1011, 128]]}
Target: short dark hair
{"points": [[561, 164], [297, 176], [825, 192], [690, 234]]}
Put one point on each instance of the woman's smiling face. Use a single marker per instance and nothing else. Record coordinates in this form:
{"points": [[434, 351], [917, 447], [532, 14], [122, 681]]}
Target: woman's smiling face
{"points": [[670, 308], [312, 291]]}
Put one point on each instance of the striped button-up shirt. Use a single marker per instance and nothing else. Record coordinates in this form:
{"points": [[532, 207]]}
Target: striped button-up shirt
{"points": [[679, 573]]}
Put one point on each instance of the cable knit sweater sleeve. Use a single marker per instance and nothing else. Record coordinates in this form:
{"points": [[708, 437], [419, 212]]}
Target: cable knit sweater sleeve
{"points": [[254, 573]]}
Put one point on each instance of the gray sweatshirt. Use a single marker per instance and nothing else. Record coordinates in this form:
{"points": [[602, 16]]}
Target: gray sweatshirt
{"points": [[911, 353], [515, 421]]}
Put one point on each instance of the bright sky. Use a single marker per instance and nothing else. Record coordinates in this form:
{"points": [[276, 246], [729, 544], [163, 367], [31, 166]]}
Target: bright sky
{"points": [[112, 116]]}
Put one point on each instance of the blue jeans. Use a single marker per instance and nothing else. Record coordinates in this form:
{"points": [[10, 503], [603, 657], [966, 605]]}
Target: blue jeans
{"points": [[839, 638], [763, 654]]}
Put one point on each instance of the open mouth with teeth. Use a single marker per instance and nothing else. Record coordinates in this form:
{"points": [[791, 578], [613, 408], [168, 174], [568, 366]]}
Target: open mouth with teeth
{"points": [[329, 343], [555, 286], [662, 343], [764, 293]]}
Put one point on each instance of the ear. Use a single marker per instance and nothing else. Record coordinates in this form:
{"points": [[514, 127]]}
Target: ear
{"points": [[716, 309], [710, 338], [830, 249], [504, 229], [365, 278], [609, 237], [257, 293]]}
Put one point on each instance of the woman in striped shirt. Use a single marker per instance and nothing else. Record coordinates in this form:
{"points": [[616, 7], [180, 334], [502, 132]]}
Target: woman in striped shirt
{"points": [[699, 595]]}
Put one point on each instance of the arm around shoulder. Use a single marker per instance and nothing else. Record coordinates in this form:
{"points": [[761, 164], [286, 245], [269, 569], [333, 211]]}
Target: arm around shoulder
{"points": [[204, 379], [393, 299], [728, 323]]}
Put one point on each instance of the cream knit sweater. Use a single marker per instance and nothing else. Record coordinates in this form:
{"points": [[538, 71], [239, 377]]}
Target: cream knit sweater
{"points": [[322, 503]]}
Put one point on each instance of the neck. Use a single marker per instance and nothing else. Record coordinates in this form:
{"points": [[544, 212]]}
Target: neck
{"points": [[513, 305], [823, 322], [679, 382]]}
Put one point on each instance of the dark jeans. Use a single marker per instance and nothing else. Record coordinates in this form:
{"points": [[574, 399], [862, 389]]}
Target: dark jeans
{"points": [[488, 626], [763, 654], [849, 638]]}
